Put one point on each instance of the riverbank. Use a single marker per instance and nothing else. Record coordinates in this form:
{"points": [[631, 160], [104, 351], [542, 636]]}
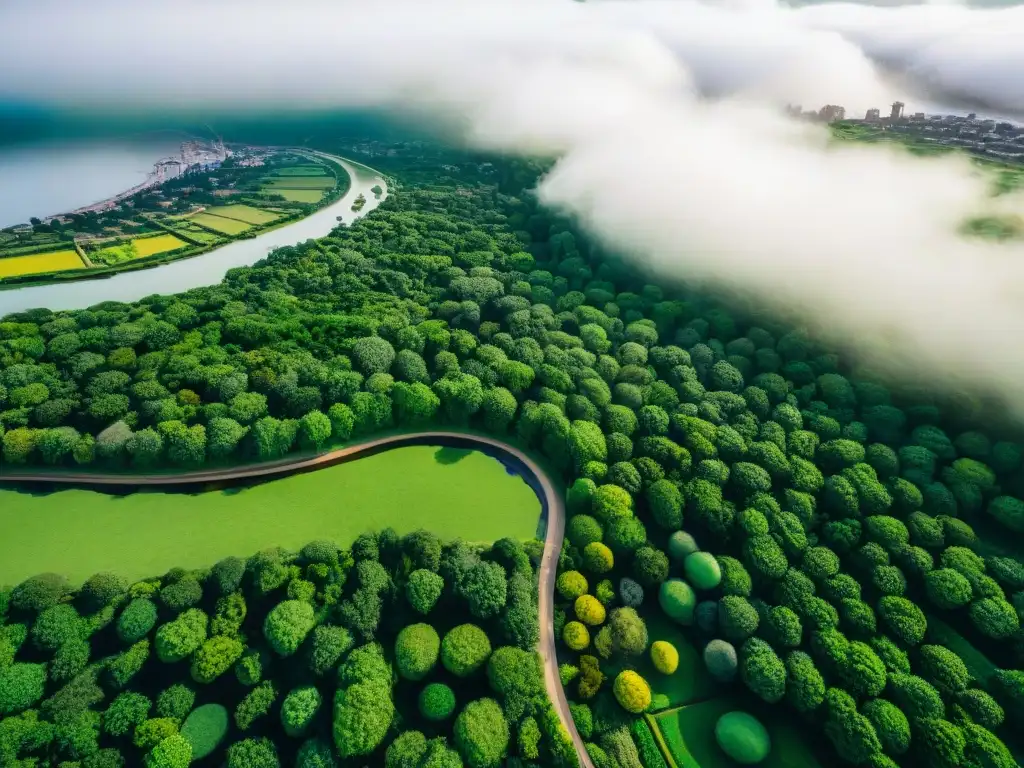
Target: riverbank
{"points": [[266, 189], [206, 267]]}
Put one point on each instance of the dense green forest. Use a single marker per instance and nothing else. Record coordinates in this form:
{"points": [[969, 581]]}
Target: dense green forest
{"points": [[839, 519]]}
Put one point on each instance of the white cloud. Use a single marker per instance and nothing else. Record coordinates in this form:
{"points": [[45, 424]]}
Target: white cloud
{"points": [[665, 117]]}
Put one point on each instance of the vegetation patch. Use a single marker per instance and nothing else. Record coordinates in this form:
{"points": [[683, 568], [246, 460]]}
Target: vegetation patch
{"points": [[245, 213], [296, 195], [302, 182], [78, 532], [37, 263], [220, 224], [150, 246], [690, 735], [205, 728], [301, 170]]}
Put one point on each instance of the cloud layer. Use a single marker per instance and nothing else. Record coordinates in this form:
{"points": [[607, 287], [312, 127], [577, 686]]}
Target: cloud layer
{"points": [[665, 117]]}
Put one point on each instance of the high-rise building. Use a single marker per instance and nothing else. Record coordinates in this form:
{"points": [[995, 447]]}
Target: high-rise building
{"points": [[897, 111], [873, 115]]}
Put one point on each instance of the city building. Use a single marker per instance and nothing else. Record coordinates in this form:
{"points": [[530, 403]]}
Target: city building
{"points": [[873, 116], [897, 111]]}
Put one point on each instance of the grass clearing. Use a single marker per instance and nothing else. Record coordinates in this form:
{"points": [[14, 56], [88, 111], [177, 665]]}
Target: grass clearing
{"points": [[691, 682], [244, 213], [303, 182], [296, 195], [37, 263], [220, 224], [301, 170], [148, 246], [79, 532], [690, 734]]}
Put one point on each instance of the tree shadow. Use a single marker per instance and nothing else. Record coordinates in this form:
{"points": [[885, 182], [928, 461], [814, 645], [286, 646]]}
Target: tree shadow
{"points": [[448, 455]]}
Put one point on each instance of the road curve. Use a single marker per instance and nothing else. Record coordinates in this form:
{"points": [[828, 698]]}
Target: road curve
{"points": [[552, 505]]}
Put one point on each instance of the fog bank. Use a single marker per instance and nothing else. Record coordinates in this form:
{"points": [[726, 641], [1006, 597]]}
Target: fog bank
{"points": [[666, 116]]}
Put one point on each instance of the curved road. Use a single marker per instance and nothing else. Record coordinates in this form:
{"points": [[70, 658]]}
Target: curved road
{"points": [[551, 503]]}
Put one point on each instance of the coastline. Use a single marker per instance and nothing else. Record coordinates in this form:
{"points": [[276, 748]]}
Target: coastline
{"points": [[90, 272]]}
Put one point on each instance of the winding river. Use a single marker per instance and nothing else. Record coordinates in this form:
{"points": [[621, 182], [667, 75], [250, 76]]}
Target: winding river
{"points": [[207, 268]]}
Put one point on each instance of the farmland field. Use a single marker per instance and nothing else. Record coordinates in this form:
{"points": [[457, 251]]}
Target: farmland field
{"points": [[301, 170], [148, 246], [303, 182], [690, 734], [54, 261], [80, 532], [297, 195], [220, 224], [244, 213], [197, 233]]}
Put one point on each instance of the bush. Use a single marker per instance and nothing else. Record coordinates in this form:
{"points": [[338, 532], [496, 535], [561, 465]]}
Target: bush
{"points": [[940, 742], [465, 649], [175, 702], [805, 687], [943, 669], [721, 661], [329, 644], [215, 657], [575, 636], [287, 625], [903, 618], [981, 707], [702, 570], [678, 601], [742, 738], [947, 589], [583, 530], [571, 585], [423, 589], [181, 637], [137, 620], [172, 752], [598, 558], [21, 686], [762, 671], [436, 702], [205, 728], [664, 656], [126, 712], [994, 618], [298, 710], [481, 733], [890, 724], [253, 753], [416, 651], [916, 697], [862, 672], [631, 593], [632, 692], [681, 545], [589, 610], [57, 625], [737, 618]]}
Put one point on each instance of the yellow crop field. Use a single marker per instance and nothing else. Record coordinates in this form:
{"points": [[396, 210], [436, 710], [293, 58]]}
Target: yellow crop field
{"points": [[303, 182], [148, 246], [53, 261], [245, 213], [220, 224], [297, 195]]}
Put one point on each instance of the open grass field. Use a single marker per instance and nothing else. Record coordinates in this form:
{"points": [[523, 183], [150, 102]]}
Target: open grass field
{"points": [[149, 246], [303, 182], [54, 261], [245, 213], [78, 532], [689, 733], [297, 195], [301, 170], [220, 224]]}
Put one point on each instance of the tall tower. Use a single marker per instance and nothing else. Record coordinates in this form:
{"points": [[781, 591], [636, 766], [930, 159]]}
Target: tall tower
{"points": [[897, 111]]}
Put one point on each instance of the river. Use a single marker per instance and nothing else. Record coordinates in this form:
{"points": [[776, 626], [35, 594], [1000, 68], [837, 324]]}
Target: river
{"points": [[45, 179], [205, 269]]}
